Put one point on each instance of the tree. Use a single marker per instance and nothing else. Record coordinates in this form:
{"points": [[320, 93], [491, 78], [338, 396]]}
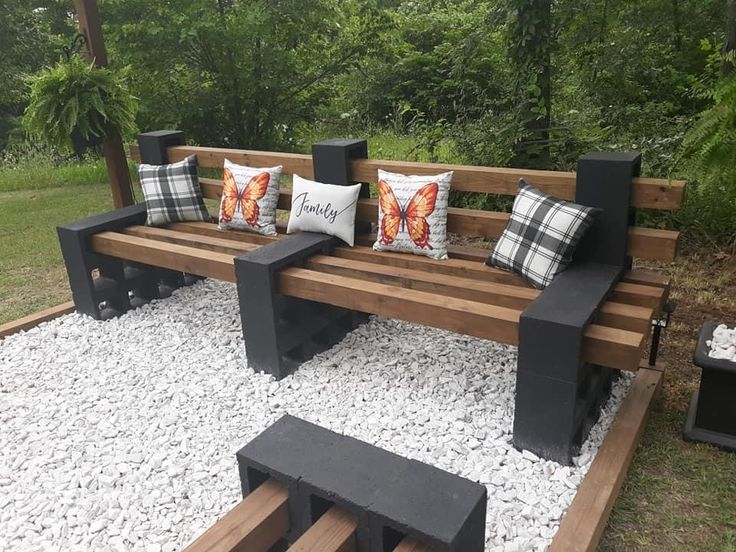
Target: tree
{"points": [[530, 50]]}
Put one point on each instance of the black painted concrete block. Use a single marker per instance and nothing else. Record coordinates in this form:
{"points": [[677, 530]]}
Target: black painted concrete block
{"points": [[604, 181], [153, 145], [282, 332], [557, 394], [390, 495], [80, 261]]}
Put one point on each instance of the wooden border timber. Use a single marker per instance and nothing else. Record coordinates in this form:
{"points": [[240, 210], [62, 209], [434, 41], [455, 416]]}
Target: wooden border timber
{"points": [[583, 524], [33, 320]]}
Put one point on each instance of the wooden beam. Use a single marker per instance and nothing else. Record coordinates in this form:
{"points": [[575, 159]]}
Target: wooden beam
{"points": [[651, 193], [611, 347], [256, 523], [333, 532], [117, 165], [644, 243], [586, 518], [33, 320], [408, 544], [165, 255]]}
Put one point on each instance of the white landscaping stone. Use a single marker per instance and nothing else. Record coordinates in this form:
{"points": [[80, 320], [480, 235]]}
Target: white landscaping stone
{"points": [[121, 435], [723, 343]]}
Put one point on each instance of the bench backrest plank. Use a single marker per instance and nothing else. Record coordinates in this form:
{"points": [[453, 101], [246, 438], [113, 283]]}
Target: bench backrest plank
{"points": [[644, 243]]}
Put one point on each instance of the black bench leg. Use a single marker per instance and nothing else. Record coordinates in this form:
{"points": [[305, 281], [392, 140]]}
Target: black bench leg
{"points": [[110, 286], [281, 332]]}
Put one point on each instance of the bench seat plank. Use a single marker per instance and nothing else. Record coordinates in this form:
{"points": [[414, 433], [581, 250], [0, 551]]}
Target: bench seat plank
{"points": [[611, 347], [625, 316], [256, 523]]}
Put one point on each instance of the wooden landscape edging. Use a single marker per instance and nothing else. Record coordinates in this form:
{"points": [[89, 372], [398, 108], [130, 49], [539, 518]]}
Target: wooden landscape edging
{"points": [[583, 524], [33, 320]]}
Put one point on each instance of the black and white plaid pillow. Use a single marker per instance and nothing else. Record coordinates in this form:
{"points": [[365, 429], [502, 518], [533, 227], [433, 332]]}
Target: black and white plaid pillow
{"points": [[172, 192], [541, 235]]}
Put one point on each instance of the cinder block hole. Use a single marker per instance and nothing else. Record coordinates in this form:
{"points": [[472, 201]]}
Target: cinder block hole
{"points": [[318, 506], [391, 538], [256, 478]]}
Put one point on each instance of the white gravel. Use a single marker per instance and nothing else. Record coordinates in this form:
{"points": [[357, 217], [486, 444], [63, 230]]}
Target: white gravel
{"points": [[121, 435], [723, 343]]}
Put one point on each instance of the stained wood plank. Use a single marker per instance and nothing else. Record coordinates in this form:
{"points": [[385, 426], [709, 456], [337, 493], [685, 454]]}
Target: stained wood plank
{"points": [[293, 163], [616, 315], [33, 320], [165, 255], [409, 544], [333, 532], [610, 347], [644, 243], [651, 193], [257, 523], [210, 243], [586, 518]]}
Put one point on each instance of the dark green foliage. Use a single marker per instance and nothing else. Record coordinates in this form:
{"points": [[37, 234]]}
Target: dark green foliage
{"points": [[75, 101]]}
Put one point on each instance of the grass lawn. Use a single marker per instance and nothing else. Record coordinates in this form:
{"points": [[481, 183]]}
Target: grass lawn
{"points": [[677, 496]]}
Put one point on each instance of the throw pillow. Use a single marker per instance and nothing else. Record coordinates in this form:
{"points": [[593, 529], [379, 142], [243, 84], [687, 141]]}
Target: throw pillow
{"points": [[541, 235], [325, 208], [412, 213], [249, 198], [172, 192]]}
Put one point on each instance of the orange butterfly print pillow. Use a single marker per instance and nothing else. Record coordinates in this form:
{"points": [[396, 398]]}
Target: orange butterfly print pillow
{"points": [[412, 213], [249, 198]]}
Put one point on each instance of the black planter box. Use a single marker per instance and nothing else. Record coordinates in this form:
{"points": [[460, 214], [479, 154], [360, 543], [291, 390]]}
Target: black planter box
{"points": [[712, 415]]}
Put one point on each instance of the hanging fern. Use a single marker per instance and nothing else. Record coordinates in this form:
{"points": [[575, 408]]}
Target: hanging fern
{"points": [[75, 99], [710, 145]]}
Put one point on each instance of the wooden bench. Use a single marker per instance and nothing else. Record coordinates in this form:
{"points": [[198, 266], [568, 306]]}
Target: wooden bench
{"points": [[301, 293]]}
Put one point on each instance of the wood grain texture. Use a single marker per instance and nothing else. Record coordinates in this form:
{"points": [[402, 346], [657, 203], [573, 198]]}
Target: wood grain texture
{"points": [[33, 320], [611, 347], [333, 532], [586, 518], [165, 255], [257, 523], [650, 193], [409, 544], [644, 243]]}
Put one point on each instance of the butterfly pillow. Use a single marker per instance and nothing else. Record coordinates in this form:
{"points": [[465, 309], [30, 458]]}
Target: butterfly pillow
{"points": [[249, 198], [412, 213]]}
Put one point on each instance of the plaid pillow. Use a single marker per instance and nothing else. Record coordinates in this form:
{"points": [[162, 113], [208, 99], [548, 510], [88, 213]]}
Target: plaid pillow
{"points": [[541, 235], [172, 192]]}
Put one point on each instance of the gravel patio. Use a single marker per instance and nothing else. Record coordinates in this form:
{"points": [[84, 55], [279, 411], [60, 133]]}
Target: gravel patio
{"points": [[121, 435]]}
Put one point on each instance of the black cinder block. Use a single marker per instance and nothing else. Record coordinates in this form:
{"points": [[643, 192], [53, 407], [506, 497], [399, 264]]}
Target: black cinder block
{"points": [[391, 496], [604, 181], [557, 395], [153, 145], [281, 332], [80, 261]]}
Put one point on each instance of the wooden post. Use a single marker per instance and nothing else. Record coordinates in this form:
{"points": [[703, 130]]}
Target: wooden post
{"points": [[117, 165]]}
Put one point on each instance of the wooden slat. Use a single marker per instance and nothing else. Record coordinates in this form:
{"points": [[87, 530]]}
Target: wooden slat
{"points": [[257, 523], [293, 163], [219, 245], [408, 544], [33, 320], [646, 277], [192, 235], [610, 347], [165, 255], [586, 518], [651, 193], [333, 532], [616, 315], [644, 243]]}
